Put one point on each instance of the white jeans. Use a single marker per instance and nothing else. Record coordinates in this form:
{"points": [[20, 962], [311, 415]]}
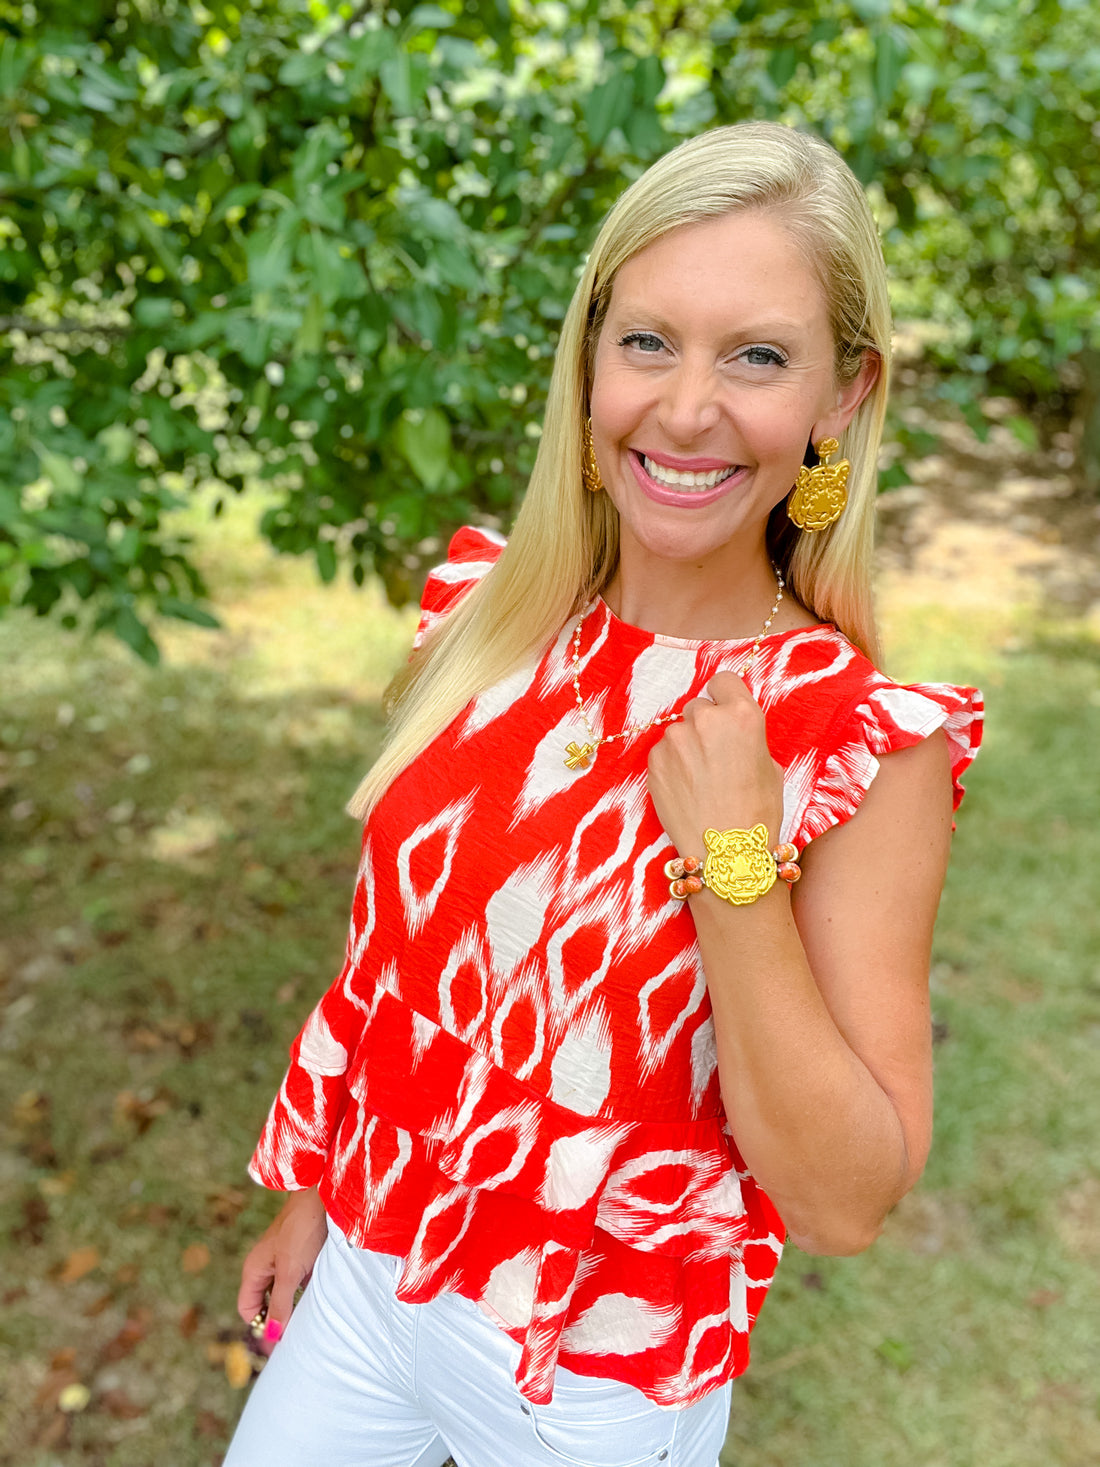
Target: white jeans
{"points": [[360, 1379]]}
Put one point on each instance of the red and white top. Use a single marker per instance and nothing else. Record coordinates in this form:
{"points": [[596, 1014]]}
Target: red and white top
{"points": [[512, 1084]]}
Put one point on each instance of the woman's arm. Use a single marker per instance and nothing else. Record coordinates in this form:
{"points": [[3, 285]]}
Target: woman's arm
{"points": [[820, 998]]}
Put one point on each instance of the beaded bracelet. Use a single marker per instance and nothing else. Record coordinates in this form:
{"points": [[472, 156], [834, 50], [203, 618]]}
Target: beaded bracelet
{"points": [[738, 866]]}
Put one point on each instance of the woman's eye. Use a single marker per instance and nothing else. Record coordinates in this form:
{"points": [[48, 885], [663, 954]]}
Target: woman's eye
{"points": [[644, 340], [764, 356]]}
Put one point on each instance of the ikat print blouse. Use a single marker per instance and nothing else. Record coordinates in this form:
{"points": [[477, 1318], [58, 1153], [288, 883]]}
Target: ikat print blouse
{"points": [[512, 1084]]}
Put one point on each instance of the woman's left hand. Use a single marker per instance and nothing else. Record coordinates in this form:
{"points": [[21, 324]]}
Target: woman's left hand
{"points": [[713, 770]]}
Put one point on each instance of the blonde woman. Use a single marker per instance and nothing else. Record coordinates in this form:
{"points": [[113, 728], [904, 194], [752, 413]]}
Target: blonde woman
{"points": [[594, 1054]]}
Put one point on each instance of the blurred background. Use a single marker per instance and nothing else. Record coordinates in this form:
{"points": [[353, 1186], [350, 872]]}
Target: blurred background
{"points": [[280, 284]]}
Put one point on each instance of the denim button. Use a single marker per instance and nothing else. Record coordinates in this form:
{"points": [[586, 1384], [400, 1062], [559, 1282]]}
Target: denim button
{"points": [[526, 1410], [661, 1456]]}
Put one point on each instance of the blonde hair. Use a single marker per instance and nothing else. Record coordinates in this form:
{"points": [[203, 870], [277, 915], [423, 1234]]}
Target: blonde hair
{"points": [[564, 546]]}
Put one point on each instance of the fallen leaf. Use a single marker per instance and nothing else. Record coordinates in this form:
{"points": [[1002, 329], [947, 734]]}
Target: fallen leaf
{"points": [[127, 1273], [141, 1110], [226, 1205], [157, 1215], [32, 1108], [36, 1216], [57, 1186], [118, 1404], [207, 1424], [1044, 1298], [62, 1358], [48, 1392], [129, 1336], [195, 1257], [79, 1262], [145, 1039], [189, 1320], [98, 1305], [55, 1433], [238, 1364]]}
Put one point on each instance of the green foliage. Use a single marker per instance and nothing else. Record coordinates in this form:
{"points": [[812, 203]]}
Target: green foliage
{"points": [[329, 246]]}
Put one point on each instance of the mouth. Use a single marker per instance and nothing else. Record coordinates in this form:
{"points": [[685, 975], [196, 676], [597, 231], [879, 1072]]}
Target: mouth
{"points": [[693, 481], [685, 488]]}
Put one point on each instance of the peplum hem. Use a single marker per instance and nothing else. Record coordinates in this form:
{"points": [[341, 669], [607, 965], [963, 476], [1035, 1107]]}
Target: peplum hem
{"points": [[668, 1187], [439, 1149]]}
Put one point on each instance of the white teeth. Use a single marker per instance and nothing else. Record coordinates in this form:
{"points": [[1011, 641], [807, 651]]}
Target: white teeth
{"points": [[678, 479]]}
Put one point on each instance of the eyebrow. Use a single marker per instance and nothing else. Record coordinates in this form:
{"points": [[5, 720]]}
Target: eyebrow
{"points": [[782, 326]]}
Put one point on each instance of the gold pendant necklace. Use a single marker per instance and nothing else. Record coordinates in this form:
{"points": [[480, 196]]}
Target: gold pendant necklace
{"points": [[578, 756]]}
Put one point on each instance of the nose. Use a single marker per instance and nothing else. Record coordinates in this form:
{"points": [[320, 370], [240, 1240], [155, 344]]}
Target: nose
{"points": [[689, 407]]}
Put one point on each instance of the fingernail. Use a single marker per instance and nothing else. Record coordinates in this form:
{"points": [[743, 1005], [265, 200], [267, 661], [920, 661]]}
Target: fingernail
{"points": [[273, 1330]]}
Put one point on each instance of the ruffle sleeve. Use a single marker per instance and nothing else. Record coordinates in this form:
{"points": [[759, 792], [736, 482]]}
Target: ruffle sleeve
{"points": [[885, 717], [294, 1144], [471, 553]]}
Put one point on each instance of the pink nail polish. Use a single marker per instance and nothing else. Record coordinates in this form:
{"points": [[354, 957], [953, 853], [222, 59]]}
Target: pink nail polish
{"points": [[273, 1330]]}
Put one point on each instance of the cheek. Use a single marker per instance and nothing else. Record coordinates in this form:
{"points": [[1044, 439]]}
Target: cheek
{"points": [[612, 410]]}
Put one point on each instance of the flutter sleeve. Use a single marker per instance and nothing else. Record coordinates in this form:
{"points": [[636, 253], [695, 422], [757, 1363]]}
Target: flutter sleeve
{"points": [[470, 554], [884, 717]]}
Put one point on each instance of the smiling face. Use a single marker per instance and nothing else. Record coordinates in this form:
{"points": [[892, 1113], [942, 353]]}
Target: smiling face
{"points": [[714, 367]]}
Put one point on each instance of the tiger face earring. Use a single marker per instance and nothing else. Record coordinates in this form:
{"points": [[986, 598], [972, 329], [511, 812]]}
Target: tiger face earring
{"points": [[820, 493], [590, 469]]}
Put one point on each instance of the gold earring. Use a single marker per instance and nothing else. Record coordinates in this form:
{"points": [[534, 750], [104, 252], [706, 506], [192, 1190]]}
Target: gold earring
{"points": [[590, 469], [820, 493]]}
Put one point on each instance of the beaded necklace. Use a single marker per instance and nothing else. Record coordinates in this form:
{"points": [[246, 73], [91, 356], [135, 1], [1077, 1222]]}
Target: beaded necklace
{"points": [[577, 756]]}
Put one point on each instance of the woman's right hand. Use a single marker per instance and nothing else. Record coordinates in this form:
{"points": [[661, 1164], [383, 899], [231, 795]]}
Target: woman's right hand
{"points": [[282, 1262]]}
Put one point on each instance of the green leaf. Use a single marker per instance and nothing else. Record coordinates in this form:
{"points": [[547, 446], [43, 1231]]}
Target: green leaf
{"points": [[608, 106], [649, 80], [60, 471], [896, 1353], [426, 445], [1023, 430], [429, 17], [118, 442], [153, 310], [782, 65], [187, 611], [269, 251], [325, 553], [889, 60], [129, 629]]}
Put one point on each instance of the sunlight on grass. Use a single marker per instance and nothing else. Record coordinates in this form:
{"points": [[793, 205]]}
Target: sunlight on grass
{"points": [[176, 875]]}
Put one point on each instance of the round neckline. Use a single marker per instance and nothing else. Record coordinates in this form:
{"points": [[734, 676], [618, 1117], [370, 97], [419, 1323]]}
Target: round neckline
{"points": [[629, 631]]}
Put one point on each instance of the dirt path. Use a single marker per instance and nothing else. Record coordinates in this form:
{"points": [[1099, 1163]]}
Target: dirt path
{"points": [[990, 524]]}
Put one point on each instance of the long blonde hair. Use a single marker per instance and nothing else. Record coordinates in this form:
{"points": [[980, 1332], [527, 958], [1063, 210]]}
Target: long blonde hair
{"points": [[564, 546]]}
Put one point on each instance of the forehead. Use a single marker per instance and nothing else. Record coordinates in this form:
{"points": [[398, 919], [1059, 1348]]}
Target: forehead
{"points": [[746, 263]]}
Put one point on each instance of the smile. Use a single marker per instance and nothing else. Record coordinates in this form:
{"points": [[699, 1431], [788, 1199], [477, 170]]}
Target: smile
{"points": [[679, 479], [694, 487]]}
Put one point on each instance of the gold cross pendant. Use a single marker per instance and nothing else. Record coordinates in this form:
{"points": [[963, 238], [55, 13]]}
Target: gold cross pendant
{"points": [[578, 755]]}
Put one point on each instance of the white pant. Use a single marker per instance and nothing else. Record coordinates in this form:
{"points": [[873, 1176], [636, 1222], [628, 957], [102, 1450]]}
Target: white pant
{"points": [[360, 1379]]}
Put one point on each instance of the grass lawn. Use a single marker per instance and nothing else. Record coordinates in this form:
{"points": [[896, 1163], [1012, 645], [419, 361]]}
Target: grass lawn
{"points": [[176, 870]]}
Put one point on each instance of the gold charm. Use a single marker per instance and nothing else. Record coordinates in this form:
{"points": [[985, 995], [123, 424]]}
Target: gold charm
{"points": [[578, 755], [820, 493], [739, 866]]}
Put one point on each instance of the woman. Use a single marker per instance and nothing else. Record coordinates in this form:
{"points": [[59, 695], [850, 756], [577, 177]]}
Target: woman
{"points": [[573, 1088]]}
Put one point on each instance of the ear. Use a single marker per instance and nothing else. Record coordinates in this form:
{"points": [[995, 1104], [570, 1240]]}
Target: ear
{"points": [[848, 398]]}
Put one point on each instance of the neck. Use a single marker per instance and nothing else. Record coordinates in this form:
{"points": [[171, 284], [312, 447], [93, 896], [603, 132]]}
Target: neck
{"points": [[700, 602]]}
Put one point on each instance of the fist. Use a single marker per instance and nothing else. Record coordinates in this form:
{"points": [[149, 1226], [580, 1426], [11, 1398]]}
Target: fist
{"points": [[714, 768]]}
